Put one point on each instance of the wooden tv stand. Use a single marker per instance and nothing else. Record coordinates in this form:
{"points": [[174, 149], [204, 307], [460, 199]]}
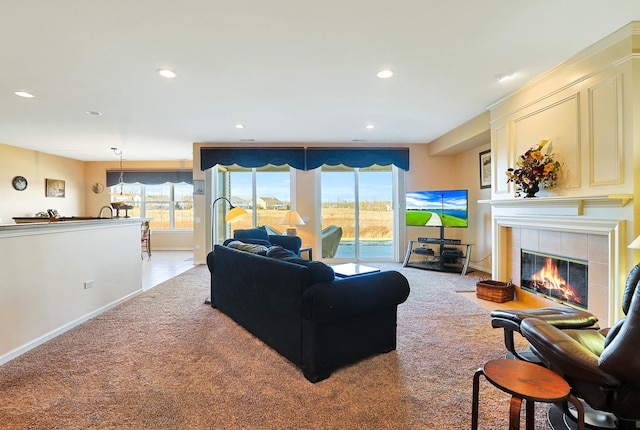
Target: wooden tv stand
{"points": [[436, 254]]}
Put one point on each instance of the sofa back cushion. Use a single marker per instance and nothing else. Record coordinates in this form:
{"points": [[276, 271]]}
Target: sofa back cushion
{"points": [[251, 233], [318, 271]]}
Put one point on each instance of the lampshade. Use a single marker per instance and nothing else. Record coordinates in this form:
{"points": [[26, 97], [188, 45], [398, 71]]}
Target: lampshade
{"points": [[291, 218], [235, 214], [635, 244]]}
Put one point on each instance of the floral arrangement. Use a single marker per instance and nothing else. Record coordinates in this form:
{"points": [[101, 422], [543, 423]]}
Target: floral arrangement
{"points": [[534, 169]]}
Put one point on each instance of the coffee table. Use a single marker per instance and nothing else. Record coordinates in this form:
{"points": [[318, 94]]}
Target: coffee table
{"points": [[352, 269]]}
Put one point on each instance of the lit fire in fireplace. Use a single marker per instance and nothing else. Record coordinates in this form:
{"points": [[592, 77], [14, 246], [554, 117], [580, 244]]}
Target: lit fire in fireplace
{"points": [[549, 279]]}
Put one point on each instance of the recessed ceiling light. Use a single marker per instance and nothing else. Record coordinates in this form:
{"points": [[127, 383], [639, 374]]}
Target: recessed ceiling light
{"points": [[384, 74], [370, 126], [358, 140], [504, 77], [239, 126], [167, 73], [247, 140], [93, 112], [24, 94]]}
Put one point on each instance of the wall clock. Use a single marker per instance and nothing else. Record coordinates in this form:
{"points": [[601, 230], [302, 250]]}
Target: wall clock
{"points": [[97, 188], [19, 183]]}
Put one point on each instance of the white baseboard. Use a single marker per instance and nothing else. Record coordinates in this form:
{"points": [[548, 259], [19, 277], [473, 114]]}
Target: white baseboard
{"points": [[42, 339]]}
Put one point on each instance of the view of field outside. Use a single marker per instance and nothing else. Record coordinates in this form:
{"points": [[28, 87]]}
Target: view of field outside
{"points": [[170, 206], [371, 236]]}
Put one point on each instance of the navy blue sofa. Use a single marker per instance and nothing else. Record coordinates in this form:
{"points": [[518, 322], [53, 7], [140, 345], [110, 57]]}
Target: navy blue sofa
{"points": [[299, 309]]}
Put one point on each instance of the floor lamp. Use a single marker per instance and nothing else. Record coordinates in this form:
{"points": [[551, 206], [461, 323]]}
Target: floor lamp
{"points": [[234, 214]]}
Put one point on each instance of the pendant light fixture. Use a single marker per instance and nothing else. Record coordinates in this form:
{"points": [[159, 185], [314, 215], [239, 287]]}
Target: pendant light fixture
{"points": [[118, 153]]}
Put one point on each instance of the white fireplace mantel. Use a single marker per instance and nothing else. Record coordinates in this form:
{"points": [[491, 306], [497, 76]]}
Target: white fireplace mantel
{"points": [[558, 205], [565, 214]]}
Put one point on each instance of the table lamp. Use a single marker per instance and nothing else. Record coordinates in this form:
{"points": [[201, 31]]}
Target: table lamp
{"points": [[635, 244], [291, 219]]}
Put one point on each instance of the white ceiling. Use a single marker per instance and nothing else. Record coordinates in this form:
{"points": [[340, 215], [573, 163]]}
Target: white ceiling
{"points": [[289, 70]]}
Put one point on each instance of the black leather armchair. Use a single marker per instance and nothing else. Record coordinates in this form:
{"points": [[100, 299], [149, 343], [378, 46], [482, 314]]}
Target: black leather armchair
{"points": [[562, 317], [601, 366]]}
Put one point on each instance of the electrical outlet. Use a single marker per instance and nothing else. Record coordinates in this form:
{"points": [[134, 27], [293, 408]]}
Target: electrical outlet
{"points": [[88, 284]]}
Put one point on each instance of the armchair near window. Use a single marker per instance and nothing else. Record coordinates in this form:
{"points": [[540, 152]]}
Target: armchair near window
{"points": [[331, 236], [602, 367]]}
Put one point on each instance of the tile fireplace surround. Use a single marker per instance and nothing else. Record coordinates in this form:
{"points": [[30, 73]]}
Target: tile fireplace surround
{"points": [[592, 229]]}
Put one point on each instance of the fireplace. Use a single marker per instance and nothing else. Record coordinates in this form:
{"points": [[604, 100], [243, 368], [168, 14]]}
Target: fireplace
{"points": [[592, 229], [556, 277]]}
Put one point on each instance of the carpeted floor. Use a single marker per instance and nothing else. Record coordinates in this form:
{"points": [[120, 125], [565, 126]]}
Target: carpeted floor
{"points": [[164, 360]]}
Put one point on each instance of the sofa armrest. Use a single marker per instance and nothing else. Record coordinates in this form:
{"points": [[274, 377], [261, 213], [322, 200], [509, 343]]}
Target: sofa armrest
{"points": [[346, 297]]}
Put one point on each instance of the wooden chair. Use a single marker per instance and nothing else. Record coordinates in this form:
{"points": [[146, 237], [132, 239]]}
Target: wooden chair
{"points": [[145, 239]]}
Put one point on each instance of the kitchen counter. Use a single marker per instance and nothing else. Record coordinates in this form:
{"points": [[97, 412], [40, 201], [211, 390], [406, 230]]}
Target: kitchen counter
{"points": [[46, 225], [32, 219]]}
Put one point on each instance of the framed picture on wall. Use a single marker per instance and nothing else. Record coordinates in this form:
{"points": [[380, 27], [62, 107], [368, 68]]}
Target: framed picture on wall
{"points": [[198, 187], [54, 187], [485, 169]]}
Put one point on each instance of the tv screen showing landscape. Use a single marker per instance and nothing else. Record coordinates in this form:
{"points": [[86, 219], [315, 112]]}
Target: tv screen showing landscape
{"points": [[441, 208]]}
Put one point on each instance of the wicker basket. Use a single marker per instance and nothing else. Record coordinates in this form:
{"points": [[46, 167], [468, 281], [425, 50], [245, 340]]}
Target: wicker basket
{"points": [[494, 291]]}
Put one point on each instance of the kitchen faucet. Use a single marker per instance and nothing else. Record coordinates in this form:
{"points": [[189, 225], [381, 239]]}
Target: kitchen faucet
{"points": [[106, 207]]}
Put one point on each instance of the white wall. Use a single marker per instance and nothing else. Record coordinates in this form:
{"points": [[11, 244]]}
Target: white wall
{"points": [[44, 269]]}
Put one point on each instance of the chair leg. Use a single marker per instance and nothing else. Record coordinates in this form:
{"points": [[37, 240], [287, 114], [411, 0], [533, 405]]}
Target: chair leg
{"points": [[579, 409], [514, 413], [476, 395]]}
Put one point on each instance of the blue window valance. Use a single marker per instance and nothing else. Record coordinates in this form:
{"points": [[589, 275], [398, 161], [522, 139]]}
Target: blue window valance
{"points": [[304, 158], [149, 178], [358, 157], [251, 157]]}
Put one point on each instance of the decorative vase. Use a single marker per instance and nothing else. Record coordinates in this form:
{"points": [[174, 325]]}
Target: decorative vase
{"points": [[532, 190]]}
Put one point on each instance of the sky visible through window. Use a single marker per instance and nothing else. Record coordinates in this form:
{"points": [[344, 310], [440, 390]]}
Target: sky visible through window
{"points": [[276, 184]]}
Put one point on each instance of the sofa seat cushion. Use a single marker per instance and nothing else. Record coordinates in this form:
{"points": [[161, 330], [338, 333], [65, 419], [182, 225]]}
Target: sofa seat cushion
{"points": [[318, 271], [248, 247]]}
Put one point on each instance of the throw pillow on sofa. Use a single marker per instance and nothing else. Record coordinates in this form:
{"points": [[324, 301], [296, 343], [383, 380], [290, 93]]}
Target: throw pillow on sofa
{"points": [[248, 247], [318, 271]]}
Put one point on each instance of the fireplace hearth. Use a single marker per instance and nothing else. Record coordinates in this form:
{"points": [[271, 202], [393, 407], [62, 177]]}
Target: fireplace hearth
{"points": [[556, 277]]}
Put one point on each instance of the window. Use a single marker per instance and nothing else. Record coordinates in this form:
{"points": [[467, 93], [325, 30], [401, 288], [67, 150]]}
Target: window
{"points": [[170, 206], [265, 192]]}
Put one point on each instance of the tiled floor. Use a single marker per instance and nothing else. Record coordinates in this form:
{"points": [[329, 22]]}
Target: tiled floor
{"points": [[163, 265]]}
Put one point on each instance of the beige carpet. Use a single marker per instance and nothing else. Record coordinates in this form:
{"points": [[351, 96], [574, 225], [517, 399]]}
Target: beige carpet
{"points": [[164, 360]]}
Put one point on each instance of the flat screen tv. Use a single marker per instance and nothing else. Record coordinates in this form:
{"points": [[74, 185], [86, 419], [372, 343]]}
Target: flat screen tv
{"points": [[439, 208]]}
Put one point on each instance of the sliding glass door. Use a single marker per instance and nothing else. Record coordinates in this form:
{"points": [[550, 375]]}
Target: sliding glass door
{"points": [[360, 202]]}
